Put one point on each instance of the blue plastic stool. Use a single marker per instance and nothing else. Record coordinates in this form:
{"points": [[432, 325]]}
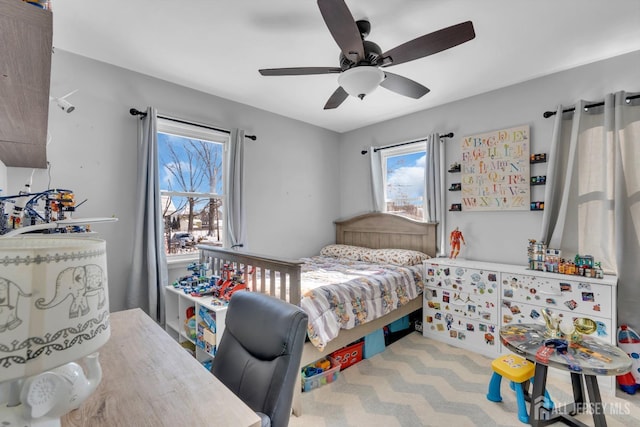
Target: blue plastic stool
{"points": [[519, 371]]}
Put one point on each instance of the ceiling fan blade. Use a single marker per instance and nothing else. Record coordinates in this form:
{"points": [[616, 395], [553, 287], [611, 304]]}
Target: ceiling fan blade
{"points": [[403, 86], [429, 44], [343, 28], [299, 71], [336, 99]]}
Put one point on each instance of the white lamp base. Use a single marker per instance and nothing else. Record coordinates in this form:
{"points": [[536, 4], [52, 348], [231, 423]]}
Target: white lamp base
{"points": [[13, 417], [40, 400]]}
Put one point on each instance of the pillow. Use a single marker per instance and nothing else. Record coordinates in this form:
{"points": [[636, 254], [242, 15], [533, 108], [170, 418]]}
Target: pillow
{"points": [[403, 257], [354, 253]]}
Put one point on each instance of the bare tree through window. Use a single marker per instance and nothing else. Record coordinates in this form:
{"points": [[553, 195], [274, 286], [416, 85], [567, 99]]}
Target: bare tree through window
{"points": [[191, 184]]}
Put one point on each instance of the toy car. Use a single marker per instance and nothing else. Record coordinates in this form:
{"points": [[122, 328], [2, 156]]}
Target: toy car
{"points": [[572, 363], [544, 353], [549, 347]]}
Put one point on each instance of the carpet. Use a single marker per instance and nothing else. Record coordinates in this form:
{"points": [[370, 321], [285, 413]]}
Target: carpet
{"points": [[417, 381]]}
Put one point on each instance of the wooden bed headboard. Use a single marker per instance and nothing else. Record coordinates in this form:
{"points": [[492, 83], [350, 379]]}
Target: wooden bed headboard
{"points": [[383, 230]]}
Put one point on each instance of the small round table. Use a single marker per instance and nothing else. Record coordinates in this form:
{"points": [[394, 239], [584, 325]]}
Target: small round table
{"points": [[586, 360]]}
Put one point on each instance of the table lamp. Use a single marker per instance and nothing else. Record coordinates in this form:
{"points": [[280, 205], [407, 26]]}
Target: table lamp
{"points": [[54, 310]]}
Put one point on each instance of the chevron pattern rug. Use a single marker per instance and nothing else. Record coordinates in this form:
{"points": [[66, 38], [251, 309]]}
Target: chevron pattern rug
{"points": [[420, 382]]}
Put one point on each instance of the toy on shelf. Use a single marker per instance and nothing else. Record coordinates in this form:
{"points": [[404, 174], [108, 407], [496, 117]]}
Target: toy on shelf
{"points": [[538, 158], [537, 205], [542, 258], [46, 211], [197, 283], [584, 264], [454, 240], [206, 331], [629, 342], [539, 180], [455, 167], [231, 282], [221, 288], [190, 323], [32, 208]]}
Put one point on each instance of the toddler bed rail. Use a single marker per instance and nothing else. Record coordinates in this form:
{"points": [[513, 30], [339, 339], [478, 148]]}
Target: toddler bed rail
{"points": [[281, 278], [278, 277]]}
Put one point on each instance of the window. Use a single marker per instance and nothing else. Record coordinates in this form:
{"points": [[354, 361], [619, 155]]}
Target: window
{"points": [[191, 169], [403, 170]]}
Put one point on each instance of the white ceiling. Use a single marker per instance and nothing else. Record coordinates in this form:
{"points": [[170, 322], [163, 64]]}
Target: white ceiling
{"points": [[218, 46]]}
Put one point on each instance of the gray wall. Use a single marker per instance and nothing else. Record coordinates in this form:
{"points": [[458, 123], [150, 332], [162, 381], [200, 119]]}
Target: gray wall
{"points": [[292, 173], [490, 236], [494, 236], [300, 178]]}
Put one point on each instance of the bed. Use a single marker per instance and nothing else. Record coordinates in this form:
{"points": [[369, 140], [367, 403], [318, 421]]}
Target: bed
{"points": [[283, 278]]}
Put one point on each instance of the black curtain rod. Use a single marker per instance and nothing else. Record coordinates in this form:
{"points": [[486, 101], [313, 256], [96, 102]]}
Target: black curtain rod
{"points": [[135, 112], [548, 114], [363, 152]]}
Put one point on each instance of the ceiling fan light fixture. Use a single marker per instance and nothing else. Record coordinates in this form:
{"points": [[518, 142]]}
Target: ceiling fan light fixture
{"points": [[360, 81]]}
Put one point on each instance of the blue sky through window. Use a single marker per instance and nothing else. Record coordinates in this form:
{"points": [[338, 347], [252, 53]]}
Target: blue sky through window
{"points": [[183, 152], [405, 177]]}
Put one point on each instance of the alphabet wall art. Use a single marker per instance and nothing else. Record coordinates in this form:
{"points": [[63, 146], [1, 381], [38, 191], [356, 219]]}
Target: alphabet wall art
{"points": [[495, 170]]}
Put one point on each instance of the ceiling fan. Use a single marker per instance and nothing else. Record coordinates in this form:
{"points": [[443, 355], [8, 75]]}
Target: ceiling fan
{"points": [[361, 61]]}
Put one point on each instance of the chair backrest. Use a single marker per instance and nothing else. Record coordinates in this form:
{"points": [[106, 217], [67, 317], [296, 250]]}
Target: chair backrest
{"points": [[259, 355]]}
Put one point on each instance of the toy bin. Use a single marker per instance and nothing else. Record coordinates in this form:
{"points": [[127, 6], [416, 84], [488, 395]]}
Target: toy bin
{"points": [[349, 355], [374, 343], [400, 324], [314, 377]]}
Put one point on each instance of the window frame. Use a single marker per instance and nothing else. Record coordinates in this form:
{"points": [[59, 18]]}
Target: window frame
{"points": [[416, 147], [201, 132]]}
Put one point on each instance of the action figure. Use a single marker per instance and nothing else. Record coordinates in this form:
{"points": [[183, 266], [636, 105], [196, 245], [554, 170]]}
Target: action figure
{"points": [[454, 240]]}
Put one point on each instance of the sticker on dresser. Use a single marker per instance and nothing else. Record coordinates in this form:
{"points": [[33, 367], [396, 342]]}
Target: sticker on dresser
{"points": [[574, 295], [516, 312], [461, 307]]}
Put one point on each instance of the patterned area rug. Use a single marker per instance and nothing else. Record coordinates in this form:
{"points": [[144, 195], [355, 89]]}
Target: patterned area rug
{"points": [[420, 382]]}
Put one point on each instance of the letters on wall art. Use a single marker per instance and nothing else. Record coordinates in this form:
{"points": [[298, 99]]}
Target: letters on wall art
{"points": [[495, 170]]}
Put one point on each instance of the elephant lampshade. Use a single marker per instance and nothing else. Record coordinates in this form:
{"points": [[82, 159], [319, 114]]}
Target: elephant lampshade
{"points": [[54, 309]]}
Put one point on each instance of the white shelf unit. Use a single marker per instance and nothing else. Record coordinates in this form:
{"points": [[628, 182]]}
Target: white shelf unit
{"points": [[207, 334]]}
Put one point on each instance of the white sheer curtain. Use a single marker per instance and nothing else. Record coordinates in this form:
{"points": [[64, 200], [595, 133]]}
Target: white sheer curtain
{"points": [[596, 179], [149, 268], [434, 181], [377, 181], [236, 233]]}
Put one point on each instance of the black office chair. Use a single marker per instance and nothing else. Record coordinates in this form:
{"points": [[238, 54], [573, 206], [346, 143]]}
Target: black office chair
{"points": [[258, 357]]}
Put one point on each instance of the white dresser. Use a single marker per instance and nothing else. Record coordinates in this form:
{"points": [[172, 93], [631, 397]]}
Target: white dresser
{"points": [[461, 305], [466, 302]]}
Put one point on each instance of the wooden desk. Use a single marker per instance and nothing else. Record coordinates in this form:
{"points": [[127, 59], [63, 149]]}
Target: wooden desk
{"points": [[149, 380]]}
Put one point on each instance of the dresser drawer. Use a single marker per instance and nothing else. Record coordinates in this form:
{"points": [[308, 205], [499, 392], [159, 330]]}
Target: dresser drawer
{"points": [[461, 279], [579, 297], [514, 312], [461, 304], [442, 323]]}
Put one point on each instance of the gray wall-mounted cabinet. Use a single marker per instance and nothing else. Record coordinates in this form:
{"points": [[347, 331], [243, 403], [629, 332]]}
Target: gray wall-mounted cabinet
{"points": [[26, 34]]}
